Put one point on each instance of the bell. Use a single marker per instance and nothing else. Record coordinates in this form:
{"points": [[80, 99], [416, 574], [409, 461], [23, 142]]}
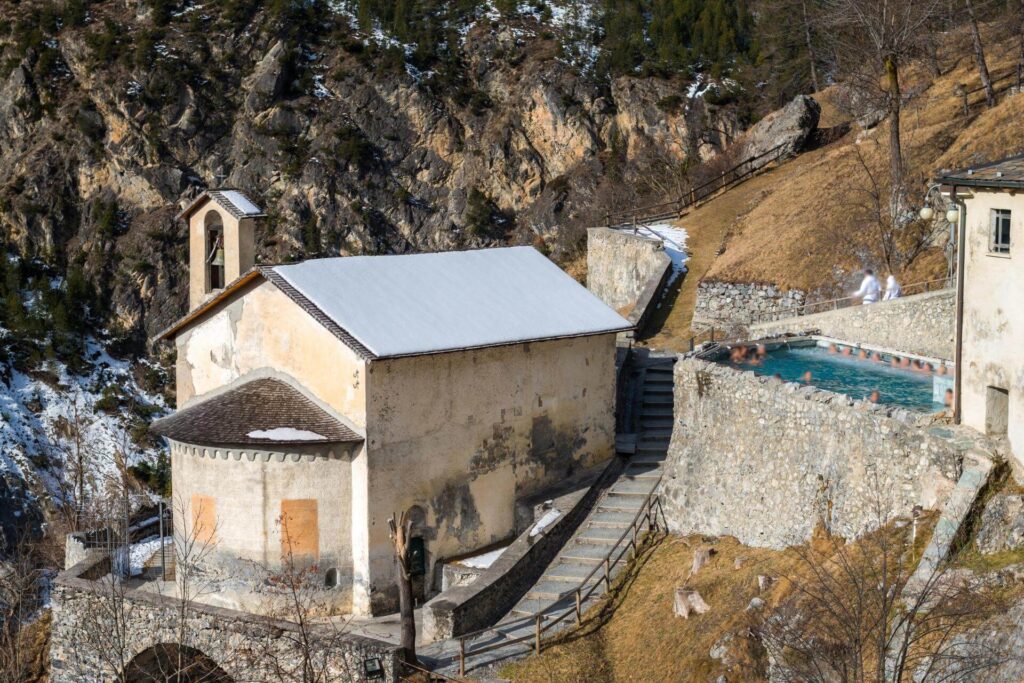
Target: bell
{"points": [[218, 257]]}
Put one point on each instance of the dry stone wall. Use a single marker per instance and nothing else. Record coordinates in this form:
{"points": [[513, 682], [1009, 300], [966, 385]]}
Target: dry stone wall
{"points": [[766, 461], [735, 304], [923, 324], [620, 266], [87, 645]]}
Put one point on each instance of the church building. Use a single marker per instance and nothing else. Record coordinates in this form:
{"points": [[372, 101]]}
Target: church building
{"points": [[317, 399]]}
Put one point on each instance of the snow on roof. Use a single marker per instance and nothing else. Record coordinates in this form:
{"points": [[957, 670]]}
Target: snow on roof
{"points": [[241, 202], [426, 303]]}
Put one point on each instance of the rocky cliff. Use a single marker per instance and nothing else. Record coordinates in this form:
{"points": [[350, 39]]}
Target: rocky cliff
{"points": [[112, 117]]}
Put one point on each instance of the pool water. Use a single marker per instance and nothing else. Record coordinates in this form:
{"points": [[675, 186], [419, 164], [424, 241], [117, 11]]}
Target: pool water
{"points": [[849, 375]]}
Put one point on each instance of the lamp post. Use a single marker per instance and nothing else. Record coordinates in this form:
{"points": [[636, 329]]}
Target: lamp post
{"points": [[952, 217]]}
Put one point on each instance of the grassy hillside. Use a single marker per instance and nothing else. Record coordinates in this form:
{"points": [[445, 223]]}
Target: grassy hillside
{"points": [[807, 229]]}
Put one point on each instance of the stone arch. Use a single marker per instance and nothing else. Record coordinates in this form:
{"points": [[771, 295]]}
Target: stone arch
{"points": [[171, 661]]}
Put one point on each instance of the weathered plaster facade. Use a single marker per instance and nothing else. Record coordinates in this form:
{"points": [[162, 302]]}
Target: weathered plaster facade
{"points": [[620, 264], [922, 324], [457, 437], [766, 461], [992, 366], [461, 436]]}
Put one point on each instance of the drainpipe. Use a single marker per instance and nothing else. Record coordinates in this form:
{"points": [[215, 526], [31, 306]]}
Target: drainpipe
{"points": [[961, 248]]}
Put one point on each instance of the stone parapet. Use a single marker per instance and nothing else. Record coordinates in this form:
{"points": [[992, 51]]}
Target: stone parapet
{"points": [[729, 305], [626, 271], [767, 461], [923, 324], [98, 625]]}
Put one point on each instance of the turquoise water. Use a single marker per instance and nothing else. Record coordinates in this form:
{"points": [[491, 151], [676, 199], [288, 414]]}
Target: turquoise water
{"points": [[849, 375]]}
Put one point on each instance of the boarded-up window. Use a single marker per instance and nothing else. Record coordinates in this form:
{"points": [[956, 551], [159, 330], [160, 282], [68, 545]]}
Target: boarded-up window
{"points": [[204, 519], [300, 533]]}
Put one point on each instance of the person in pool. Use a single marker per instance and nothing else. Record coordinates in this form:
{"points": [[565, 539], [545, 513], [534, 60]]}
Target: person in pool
{"points": [[807, 377], [832, 348], [876, 357], [948, 399], [862, 354], [874, 396]]}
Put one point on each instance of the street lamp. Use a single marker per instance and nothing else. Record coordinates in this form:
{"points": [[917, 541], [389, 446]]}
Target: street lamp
{"points": [[927, 213], [952, 213]]}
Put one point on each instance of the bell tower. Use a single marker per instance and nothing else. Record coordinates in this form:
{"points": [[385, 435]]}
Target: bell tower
{"points": [[221, 242]]}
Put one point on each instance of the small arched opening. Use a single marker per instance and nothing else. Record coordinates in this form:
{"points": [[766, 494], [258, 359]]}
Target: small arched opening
{"points": [[173, 662], [213, 227]]}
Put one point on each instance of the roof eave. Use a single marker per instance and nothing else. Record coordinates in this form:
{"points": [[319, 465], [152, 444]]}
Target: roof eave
{"points": [[514, 342], [981, 183], [207, 305]]}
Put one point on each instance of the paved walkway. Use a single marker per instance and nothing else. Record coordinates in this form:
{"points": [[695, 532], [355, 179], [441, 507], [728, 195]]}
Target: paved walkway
{"points": [[610, 518]]}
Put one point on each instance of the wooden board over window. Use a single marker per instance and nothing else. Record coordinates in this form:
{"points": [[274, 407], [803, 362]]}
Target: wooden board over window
{"points": [[299, 528], [204, 519]]}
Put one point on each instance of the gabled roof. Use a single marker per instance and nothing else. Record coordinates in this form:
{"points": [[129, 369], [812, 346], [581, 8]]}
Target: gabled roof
{"points": [[232, 201], [263, 411], [1007, 173], [404, 305]]}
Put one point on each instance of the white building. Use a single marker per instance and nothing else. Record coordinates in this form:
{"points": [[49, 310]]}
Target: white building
{"points": [[990, 307]]}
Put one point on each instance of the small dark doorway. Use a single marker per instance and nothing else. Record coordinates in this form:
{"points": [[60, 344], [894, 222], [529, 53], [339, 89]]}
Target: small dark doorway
{"points": [[997, 411], [172, 662]]}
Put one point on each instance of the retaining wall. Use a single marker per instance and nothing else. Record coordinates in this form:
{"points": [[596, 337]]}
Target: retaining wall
{"points": [[766, 461], [98, 629], [924, 324], [626, 271], [732, 304]]}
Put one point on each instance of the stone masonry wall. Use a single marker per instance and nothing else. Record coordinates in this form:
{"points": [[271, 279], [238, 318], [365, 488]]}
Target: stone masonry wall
{"points": [[85, 646], [731, 304], [619, 266], [924, 324], [764, 461]]}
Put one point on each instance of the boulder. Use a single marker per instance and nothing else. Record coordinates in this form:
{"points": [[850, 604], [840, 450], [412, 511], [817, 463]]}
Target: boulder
{"points": [[689, 602], [1002, 524], [268, 80], [790, 127]]}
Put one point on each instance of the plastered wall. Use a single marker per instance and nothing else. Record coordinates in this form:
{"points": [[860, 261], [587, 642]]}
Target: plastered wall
{"points": [[459, 437], [237, 504], [993, 331], [239, 250], [263, 330]]}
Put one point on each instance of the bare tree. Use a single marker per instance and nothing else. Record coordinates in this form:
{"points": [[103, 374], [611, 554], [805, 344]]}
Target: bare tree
{"points": [[21, 578], [851, 617], [874, 40], [979, 55], [400, 534], [79, 459]]}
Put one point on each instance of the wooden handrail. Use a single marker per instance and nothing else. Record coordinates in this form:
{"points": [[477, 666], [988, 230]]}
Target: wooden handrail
{"points": [[644, 512], [431, 675], [640, 215]]}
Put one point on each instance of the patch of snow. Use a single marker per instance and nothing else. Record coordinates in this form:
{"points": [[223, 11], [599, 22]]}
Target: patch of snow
{"points": [[320, 90], [546, 520], [139, 553], [484, 560], [285, 434], [673, 239]]}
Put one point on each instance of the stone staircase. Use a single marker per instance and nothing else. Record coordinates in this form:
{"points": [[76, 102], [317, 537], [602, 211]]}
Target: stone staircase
{"points": [[607, 522]]}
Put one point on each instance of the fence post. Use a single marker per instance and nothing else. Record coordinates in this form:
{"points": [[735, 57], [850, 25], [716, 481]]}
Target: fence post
{"points": [[1019, 75], [634, 224], [462, 657], [608, 573], [579, 608], [537, 636], [163, 561], [712, 333], [691, 343]]}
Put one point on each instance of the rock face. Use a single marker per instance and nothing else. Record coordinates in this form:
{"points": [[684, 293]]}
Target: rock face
{"points": [[347, 151], [1002, 524], [789, 127]]}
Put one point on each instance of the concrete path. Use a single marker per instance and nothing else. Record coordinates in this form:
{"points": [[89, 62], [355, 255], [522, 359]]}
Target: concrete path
{"points": [[610, 518]]}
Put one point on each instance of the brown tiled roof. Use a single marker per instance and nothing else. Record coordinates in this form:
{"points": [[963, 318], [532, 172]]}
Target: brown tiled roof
{"points": [[258, 405], [1008, 173]]}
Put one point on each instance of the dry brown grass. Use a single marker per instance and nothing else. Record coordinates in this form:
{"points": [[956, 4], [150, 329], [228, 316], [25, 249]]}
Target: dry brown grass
{"points": [[805, 232], [643, 641]]}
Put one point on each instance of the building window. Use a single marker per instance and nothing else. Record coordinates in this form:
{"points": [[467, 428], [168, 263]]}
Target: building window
{"points": [[999, 242]]}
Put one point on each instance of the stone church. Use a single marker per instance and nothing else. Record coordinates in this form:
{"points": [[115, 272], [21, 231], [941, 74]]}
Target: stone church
{"points": [[317, 399]]}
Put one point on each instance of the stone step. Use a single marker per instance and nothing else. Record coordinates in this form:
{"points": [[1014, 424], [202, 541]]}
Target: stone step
{"points": [[632, 487], [592, 553], [650, 455], [656, 421], [530, 606], [552, 589], [643, 470], [661, 369], [612, 519], [658, 399], [621, 503], [649, 435], [601, 534], [568, 570]]}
